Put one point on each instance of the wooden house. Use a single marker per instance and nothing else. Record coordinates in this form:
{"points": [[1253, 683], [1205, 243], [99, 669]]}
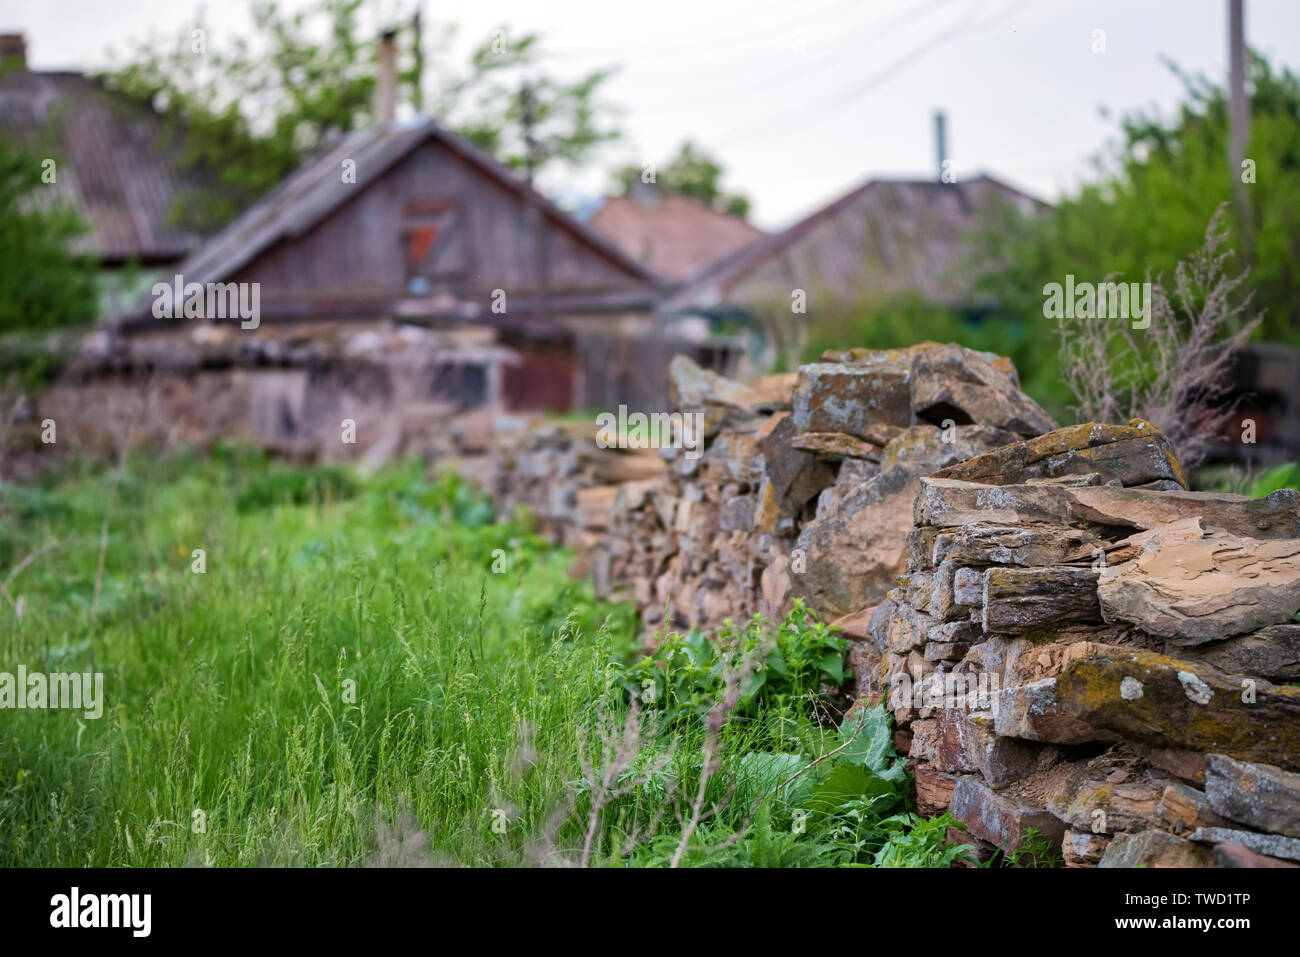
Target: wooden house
{"points": [[414, 226], [113, 161]]}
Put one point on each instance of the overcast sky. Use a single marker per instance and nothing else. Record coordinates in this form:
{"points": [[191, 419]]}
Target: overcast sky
{"points": [[802, 101]]}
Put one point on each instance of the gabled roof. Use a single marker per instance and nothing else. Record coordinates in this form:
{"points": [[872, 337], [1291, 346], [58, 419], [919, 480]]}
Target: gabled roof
{"points": [[114, 163], [675, 235], [881, 239], [314, 190]]}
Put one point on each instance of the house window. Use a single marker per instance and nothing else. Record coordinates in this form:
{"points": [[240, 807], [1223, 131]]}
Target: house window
{"points": [[434, 245]]}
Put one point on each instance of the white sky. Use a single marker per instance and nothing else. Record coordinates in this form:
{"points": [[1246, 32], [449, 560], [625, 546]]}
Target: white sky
{"points": [[803, 100]]}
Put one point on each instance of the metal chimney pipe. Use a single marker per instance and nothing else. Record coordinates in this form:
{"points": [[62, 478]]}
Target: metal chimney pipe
{"points": [[940, 140], [386, 84]]}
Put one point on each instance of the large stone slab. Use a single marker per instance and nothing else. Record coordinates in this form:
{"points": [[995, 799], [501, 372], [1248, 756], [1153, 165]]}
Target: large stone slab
{"points": [[1272, 845], [1132, 454], [1167, 703], [953, 383], [1272, 653], [838, 397], [851, 556], [1154, 849], [1038, 600], [1089, 804], [984, 543], [853, 553], [1001, 819], [1260, 796], [948, 503], [1277, 516], [1194, 592]]}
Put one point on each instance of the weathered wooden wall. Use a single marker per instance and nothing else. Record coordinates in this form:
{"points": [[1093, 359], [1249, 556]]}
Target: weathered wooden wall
{"points": [[475, 236]]}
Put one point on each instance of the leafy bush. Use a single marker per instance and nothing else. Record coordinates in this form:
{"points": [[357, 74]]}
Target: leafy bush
{"points": [[686, 673], [1286, 475], [295, 486]]}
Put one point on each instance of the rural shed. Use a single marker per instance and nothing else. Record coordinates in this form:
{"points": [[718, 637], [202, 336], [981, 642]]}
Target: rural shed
{"points": [[884, 239], [412, 225]]}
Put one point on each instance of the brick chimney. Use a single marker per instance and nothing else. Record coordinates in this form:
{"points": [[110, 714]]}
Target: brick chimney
{"points": [[386, 83], [13, 49]]}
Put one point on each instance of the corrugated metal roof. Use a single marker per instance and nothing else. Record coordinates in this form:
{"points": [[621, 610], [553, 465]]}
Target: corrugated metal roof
{"points": [[883, 239], [114, 164]]}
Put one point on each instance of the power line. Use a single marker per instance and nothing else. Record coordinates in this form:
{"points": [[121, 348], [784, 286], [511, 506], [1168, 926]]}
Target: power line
{"points": [[801, 69], [839, 98], [716, 35]]}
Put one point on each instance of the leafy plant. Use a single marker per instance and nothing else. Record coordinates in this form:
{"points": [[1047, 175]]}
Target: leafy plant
{"points": [[685, 673], [1152, 198], [45, 281], [1034, 850], [913, 841], [1286, 475]]}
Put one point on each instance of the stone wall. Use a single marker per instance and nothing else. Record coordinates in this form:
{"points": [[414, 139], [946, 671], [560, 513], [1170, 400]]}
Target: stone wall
{"points": [[1070, 641], [805, 482], [1082, 647]]}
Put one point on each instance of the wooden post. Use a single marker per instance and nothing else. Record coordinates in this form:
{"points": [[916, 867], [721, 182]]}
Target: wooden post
{"points": [[1239, 124]]}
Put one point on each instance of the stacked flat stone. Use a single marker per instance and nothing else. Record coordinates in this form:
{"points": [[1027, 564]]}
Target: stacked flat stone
{"points": [[1140, 641]]}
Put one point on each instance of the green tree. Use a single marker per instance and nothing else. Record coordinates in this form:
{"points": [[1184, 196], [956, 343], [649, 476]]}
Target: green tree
{"points": [[505, 104], [1152, 201], [251, 112], [692, 172], [43, 280]]}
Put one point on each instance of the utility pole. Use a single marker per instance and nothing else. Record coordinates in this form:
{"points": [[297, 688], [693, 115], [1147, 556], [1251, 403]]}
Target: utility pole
{"points": [[1239, 123], [417, 67], [528, 120]]}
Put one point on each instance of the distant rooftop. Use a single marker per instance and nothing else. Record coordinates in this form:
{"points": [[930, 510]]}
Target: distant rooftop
{"points": [[674, 235], [885, 238], [113, 160]]}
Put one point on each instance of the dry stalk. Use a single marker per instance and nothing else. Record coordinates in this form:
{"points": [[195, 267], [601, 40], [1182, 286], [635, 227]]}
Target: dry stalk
{"points": [[1176, 376]]}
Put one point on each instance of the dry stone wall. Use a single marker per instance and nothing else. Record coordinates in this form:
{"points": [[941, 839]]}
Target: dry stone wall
{"points": [[1082, 647], [1071, 642], [805, 483]]}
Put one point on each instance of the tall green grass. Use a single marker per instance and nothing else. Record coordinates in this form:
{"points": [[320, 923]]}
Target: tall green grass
{"points": [[349, 682]]}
